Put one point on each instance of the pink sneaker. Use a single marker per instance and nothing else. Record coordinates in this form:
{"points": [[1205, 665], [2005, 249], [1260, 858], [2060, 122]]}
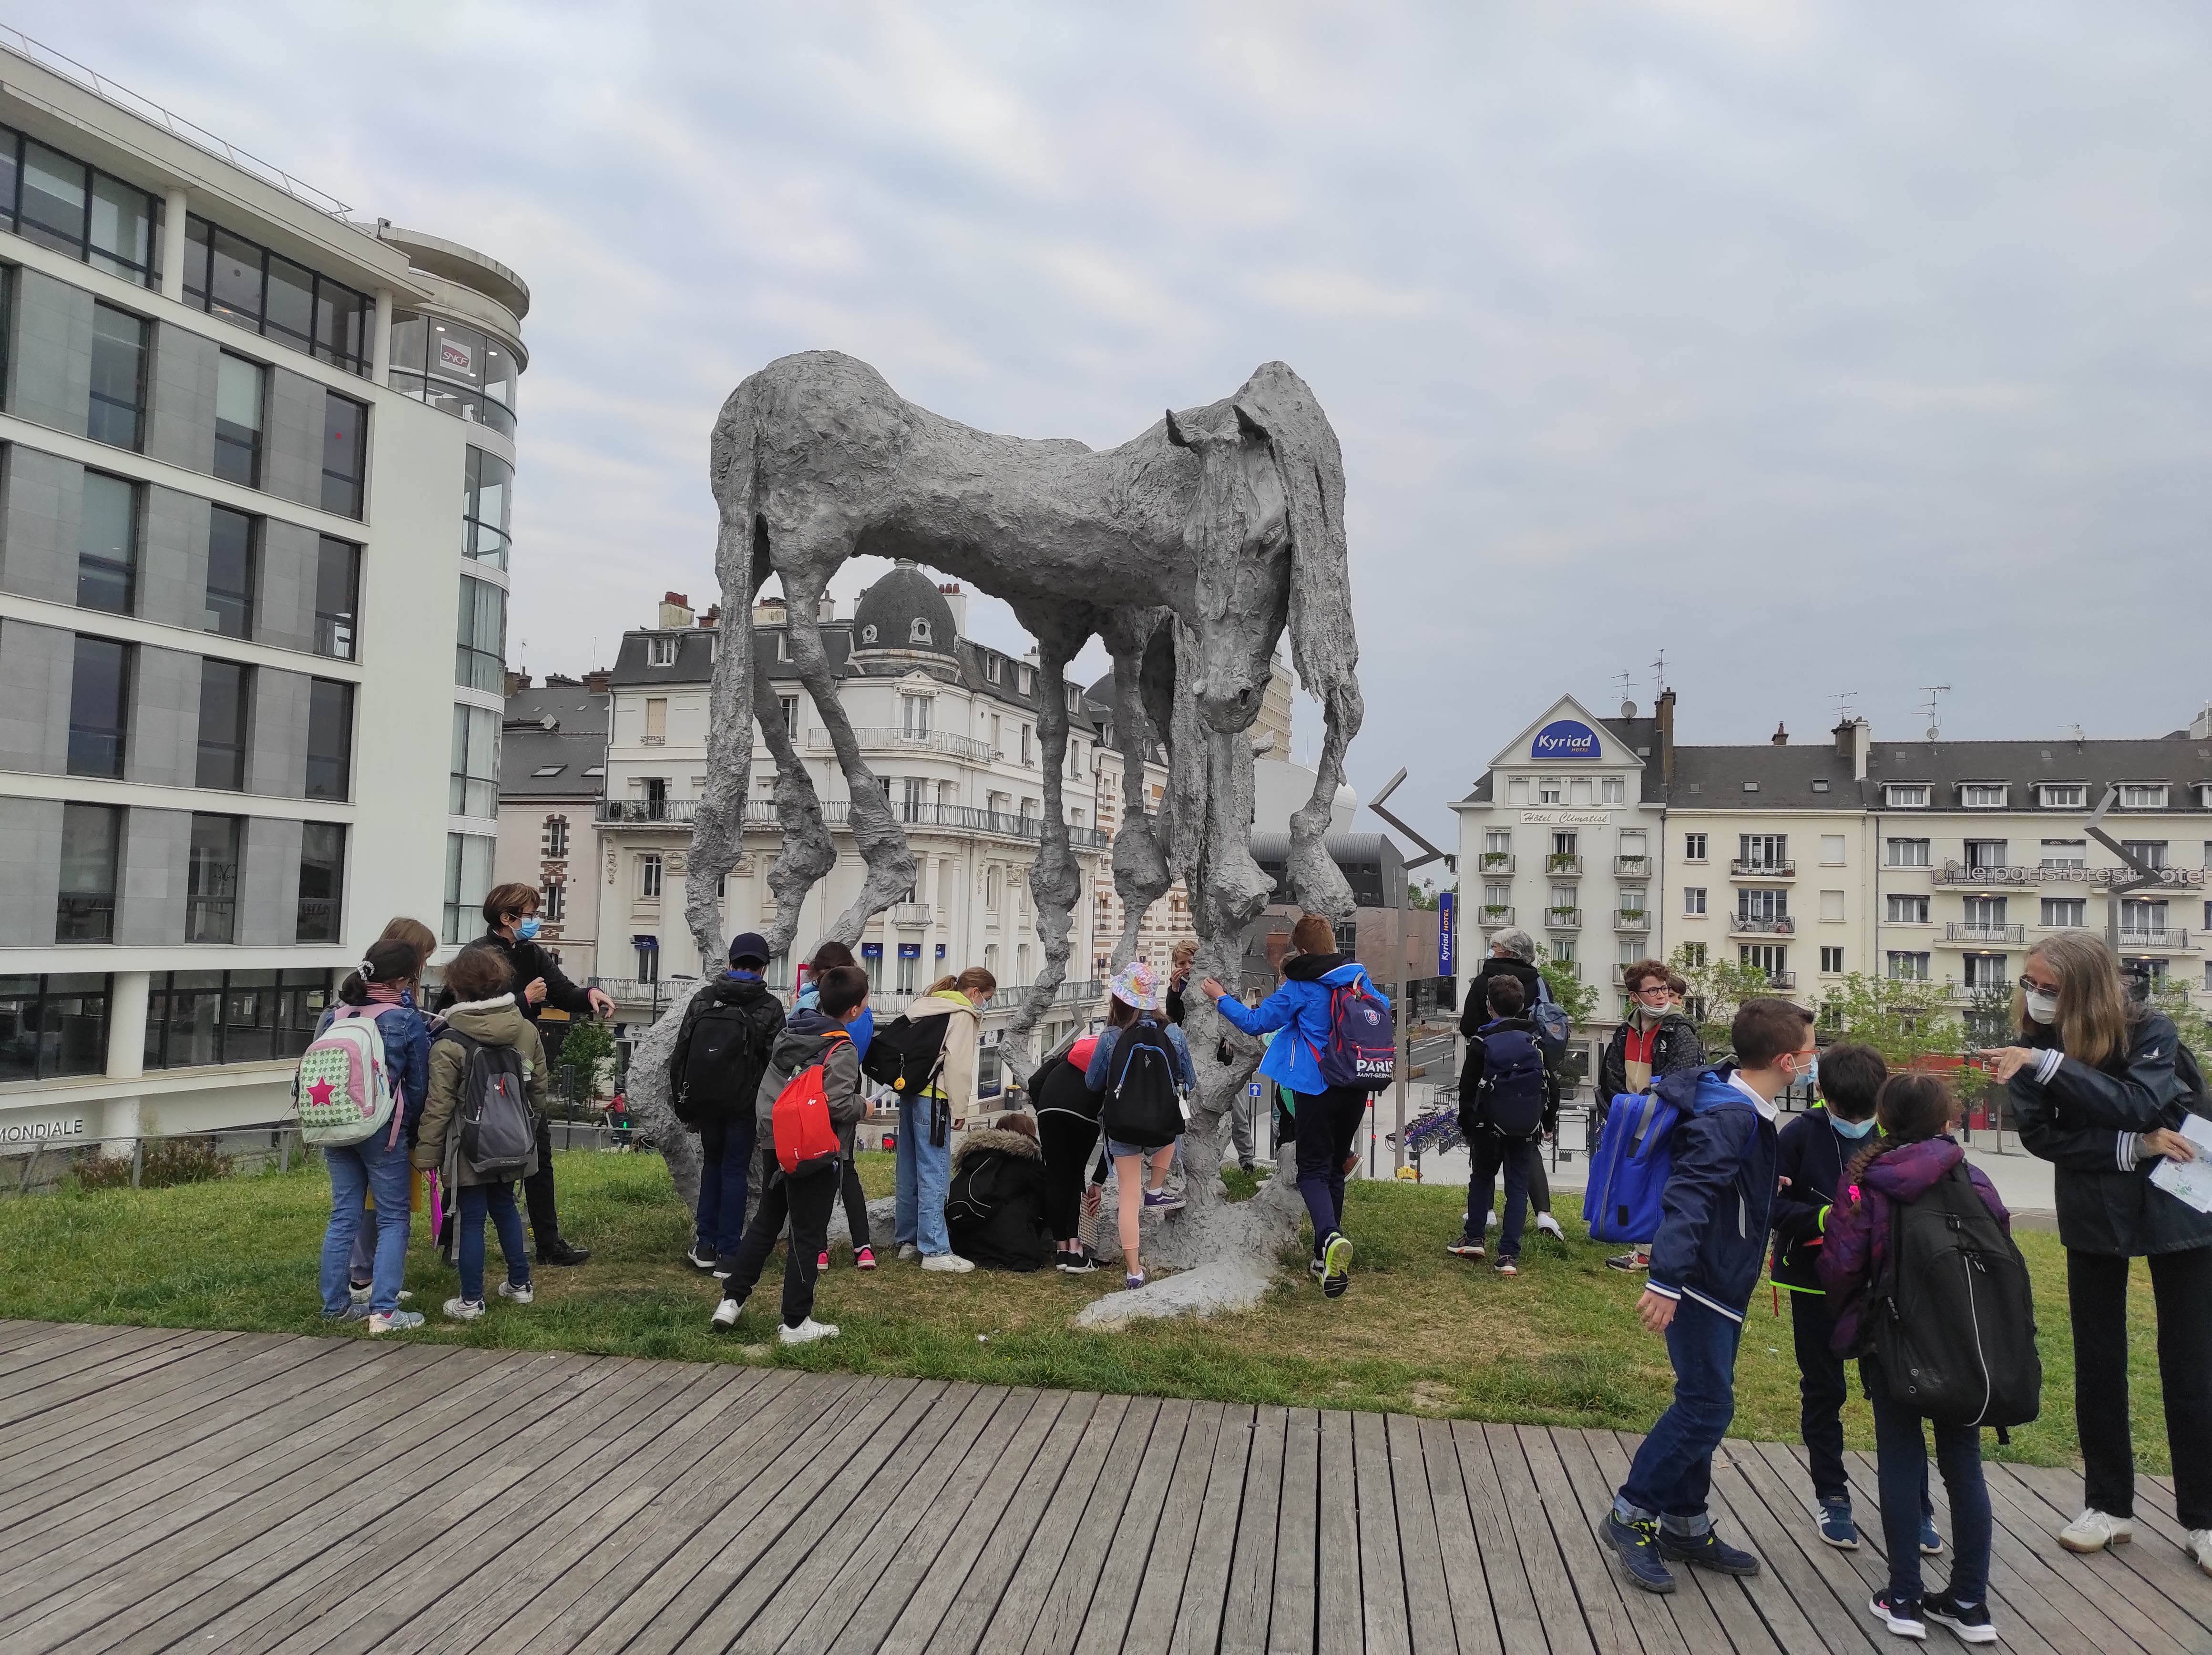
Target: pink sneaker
{"points": [[823, 1263], [866, 1258]]}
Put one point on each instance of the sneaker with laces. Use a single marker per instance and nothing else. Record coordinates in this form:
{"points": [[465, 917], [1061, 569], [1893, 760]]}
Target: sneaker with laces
{"points": [[698, 1258], [1077, 1264], [1900, 1614], [463, 1309], [351, 1313], [1489, 1219], [865, 1259], [394, 1321], [1163, 1200], [2094, 1531], [1550, 1225], [1506, 1267], [1838, 1528], [726, 1264], [1970, 1621], [1336, 1266], [1931, 1543], [806, 1332], [1630, 1261], [518, 1295], [1318, 1266], [1637, 1545], [727, 1311], [2200, 1548], [1465, 1247], [1707, 1551], [949, 1264], [908, 1252], [1133, 1280]]}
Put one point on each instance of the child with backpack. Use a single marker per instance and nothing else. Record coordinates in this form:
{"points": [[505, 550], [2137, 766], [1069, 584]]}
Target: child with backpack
{"points": [[384, 1044], [808, 1098], [1653, 1041], [479, 1129], [1316, 980], [1717, 1153], [1919, 1261], [1514, 1101], [927, 1056], [830, 952], [1142, 1067], [714, 1072], [1811, 1153]]}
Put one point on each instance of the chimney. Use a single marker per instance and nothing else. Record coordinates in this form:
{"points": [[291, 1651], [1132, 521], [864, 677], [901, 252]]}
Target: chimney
{"points": [[675, 611], [2200, 728], [598, 681], [1781, 736], [826, 611], [1855, 741], [712, 617], [1663, 733], [957, 601], [769, 612], [517, 682]]}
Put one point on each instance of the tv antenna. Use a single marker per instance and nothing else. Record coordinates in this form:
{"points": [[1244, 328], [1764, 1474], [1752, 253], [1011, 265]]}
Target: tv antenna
{"points": [[1659, 677], [1842, 698], [1935, 721], [1623, 675]]}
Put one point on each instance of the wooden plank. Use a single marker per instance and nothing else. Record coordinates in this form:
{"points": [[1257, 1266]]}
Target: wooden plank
{"points": [[1174, 1571], [1129, 1556], [1212, 1544], [2051, 1499], [1565, 1605], [1421, 1561], [1292, 1620], [1851, 1578], [1338, 1623], [126, 1396], [58, 1338], [1638, 1619], [2026, 1545], [1462, 1572], [1250, 1597], [80, 1377], [1511, 1568], [1067, 1599], [1384, 1612]]}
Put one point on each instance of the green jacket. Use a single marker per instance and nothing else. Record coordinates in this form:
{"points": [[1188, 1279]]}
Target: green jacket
{"points": [[492, 1022]]}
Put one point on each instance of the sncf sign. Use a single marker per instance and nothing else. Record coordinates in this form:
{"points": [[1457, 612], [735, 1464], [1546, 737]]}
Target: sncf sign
{"points": [[1565, 738]]}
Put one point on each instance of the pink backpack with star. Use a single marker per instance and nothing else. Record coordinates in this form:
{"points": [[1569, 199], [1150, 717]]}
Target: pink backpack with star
{"points": [[343, 1089]]}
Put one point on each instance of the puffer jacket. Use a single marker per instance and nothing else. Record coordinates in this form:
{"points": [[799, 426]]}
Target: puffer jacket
{"points": [[2085, 1121], [806, 1039], [1719, 1197], [488, 1022], [1300, 1009], [994, 1206], [1856, 1252]]}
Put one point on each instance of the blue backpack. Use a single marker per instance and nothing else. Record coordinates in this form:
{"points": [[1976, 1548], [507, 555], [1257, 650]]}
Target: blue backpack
{"points": [[1624, 1200], [1362, 1052], [1510, 1102], [1552, 1027]]}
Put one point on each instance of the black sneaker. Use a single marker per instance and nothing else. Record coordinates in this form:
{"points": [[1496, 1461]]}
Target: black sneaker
{"points": [[725, 1266], [562, 1253], [1970, 1621], [1467, 1247], [1628, 1261], [1707, 1551], [1336, 1266], [1900, 1614], [1638, 1545]]}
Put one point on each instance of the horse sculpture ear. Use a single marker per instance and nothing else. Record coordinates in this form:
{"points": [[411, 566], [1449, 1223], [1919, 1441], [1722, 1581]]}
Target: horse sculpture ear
{"points": [[1175, 432], [1250, 428]]}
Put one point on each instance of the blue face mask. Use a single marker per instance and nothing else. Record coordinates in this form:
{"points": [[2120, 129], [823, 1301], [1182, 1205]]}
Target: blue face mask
{"points": [[1851, 1129], [527, 929]]}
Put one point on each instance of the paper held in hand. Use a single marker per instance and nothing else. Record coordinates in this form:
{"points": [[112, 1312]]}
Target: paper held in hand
{"points": [[2189, 1180]]}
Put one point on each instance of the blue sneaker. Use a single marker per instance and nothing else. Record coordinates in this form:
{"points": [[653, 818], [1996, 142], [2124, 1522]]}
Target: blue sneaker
{"points": [[1637, 1544], [1836, 1527], [1970, 1621], [1931, 1543], [1707, 1551]]}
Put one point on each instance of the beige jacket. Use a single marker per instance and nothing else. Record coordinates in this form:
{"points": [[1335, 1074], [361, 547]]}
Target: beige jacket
{"points": [[956, 1080], [492, 1022]]}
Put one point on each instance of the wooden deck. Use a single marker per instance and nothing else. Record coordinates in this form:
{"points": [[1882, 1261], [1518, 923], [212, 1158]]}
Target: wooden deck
{"points": [[164, 1490]]}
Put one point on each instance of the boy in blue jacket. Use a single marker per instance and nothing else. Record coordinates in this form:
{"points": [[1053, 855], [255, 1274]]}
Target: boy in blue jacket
{"points": [[1705, 1264]]}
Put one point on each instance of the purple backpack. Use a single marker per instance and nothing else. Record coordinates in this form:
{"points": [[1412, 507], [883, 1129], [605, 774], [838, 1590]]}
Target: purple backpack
{"points": [[1362, 1052]]}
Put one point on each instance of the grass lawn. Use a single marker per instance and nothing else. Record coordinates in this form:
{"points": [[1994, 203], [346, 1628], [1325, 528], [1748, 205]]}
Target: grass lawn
{"points": [[1420, 1331]]}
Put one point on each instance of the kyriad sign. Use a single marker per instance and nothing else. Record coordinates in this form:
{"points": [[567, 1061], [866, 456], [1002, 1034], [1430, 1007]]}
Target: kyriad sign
{"points": [[1565, 738]]}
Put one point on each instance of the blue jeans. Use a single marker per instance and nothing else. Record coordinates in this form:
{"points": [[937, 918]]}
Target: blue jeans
{"points": [[1901, 1473], [498, 1199], [358, 1170], [1674, 1467], [925, 1173], [726, 1157]]}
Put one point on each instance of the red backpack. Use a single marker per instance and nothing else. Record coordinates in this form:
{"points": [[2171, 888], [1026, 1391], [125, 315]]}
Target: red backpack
{"points": [[806, 1137]]}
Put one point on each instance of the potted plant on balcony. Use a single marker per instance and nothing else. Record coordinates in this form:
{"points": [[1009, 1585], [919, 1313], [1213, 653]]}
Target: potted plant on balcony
{"points": [[1635, 919], [1561, 916], [1562, 862], [1496, 859], [1496, 912]]}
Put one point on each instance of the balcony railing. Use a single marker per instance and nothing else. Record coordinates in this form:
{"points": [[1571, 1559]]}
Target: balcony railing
{"points": [[1994, 873], [2166, 938], [760, 812], [1635, 921], [1565, 865], [1748, 926], [1632, 867], [885, 739], [1563, 918], [1956, 931], [1756, 868], [1493, 916], [645, 813], [907, 916], [1784, 980], [1497, 862]]}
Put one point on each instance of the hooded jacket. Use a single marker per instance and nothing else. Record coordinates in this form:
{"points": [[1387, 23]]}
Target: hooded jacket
{"points": [[529, 962], [956, 1081], [862, 1028], [761, 1009], [1300, 1009], [805, 1039], [1812, 1155], [1675, 1050], [2085, 1121], [1857, 1251], [1098, 1070], [994, 1206], [1476, 1012], [1719, 1196], [488, 1022]]}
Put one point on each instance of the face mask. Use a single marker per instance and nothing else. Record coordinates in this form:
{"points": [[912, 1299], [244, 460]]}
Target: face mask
{"points": [[1851, 1129], [2042, 1007], [527, 929]]}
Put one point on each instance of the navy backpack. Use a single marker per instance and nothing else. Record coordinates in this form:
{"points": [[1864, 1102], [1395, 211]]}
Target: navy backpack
{"points": [[1510, 1100], [1362, 1052], [1624, 1200]]}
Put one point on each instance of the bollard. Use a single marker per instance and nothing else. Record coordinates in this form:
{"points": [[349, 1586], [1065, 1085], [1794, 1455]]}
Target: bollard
{"points": [[137, 1160], [283, 1150]]}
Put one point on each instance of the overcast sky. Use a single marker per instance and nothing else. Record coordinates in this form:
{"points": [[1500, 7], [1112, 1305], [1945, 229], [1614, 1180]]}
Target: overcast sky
{"points": [[1846, 348]]}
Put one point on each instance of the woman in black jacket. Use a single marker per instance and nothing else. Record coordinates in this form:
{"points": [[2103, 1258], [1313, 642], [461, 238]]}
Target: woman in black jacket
{"points": [[994, 1208], [2095, 1092]]}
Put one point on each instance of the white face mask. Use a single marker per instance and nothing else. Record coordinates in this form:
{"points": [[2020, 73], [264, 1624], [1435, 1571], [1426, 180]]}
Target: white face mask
{"points": [[2042, 1007]]}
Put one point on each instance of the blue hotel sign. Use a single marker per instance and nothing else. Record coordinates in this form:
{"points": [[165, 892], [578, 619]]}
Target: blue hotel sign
{"points": [[1565, 738], [1447, 919]]}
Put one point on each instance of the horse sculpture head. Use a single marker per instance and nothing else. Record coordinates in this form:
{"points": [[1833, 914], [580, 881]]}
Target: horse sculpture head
{"points": [[1269, 502]]}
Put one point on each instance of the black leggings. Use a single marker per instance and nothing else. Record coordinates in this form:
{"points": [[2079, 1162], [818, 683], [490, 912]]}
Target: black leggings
{"points": [[856, 1204], [2097, 1295], [1068, 1142]]}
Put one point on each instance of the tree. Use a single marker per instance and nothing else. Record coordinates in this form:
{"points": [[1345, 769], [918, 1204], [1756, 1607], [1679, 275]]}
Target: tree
{"points": [[1563, 977], [1717, 988], [1906, 1019]]}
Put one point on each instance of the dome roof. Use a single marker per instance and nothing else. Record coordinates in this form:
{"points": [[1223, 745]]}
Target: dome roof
{"points": [[904, 610]]}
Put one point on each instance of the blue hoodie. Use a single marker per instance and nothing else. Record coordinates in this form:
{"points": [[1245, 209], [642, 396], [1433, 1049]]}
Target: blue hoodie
{"points": [[862, 1028], [1720, 1194], [1301, 1007]]}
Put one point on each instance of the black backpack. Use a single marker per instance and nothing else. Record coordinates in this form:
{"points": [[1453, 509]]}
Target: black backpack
{"points": [[1952, 1326], [493, 1129], [727, 1055], [1144, 1101], [907, 1055], [1512, 1095]]}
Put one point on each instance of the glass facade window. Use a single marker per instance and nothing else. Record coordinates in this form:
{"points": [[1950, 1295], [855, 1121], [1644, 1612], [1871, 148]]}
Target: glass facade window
{"points": [[468, 879], [198, 1018], [107, 544], [225, 694], [474, 790], [92, 842], [330, 739], [322, 881], [480, 643], [53, 1026], [232, 554], [486, 493], [99, 707], [115, 412], [240, 389], [337, 597], [345, 454], [456, 369], [265, 293], [212, 879], [57, 201]]}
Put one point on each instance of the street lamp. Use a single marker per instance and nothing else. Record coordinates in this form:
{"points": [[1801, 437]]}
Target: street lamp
{"points": [[1429, 853]]}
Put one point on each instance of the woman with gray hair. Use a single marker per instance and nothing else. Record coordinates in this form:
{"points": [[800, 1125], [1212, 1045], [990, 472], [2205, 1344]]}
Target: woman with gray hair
{"points": [[1512, 953]]}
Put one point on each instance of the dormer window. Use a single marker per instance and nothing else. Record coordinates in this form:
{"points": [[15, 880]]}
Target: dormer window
{"points": [[993, 667], [1983, 795], [1906, 796], [660, 652], [868, 634], [2204, 795], [1024, 681], [2142, 796], [1820, 786], [783, 646], [2063, 796], [918, 631]]}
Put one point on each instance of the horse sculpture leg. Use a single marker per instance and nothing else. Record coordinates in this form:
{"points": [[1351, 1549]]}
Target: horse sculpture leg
{"points": [[808, 852], [1055, 881], [1141, 863]]}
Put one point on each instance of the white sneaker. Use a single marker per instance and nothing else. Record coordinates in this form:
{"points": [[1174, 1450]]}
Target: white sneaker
{"points": [[2094, 1531], [2200, 1547], [1550, 1225], [463, 1309], [809, 1330], [397, 1321], [520, 1295], [725, 1312], [908, 1251], [1489, 1219], [949, 1263]]}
